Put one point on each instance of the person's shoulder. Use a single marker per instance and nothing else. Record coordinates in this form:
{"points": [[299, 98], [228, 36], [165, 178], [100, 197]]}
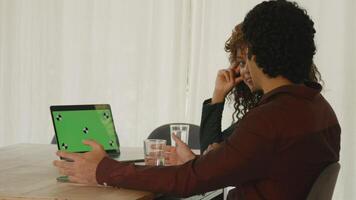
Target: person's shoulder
{"points": [[258, 122], [265, 111], [264, 120]]}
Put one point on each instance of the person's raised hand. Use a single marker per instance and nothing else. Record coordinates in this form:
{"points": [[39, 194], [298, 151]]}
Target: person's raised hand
{"points": [[226, 80], [179, 154]]}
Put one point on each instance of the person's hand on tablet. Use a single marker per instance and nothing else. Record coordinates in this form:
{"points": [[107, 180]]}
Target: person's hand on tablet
{"points": [[82, 169]]}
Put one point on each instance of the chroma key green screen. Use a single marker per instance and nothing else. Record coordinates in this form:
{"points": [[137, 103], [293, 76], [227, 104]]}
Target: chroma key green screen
{"points": [[74, 126]]}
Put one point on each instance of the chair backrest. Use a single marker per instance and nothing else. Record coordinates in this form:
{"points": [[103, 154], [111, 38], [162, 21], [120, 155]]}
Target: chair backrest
{"points": [[323, 187], [163, 132]]}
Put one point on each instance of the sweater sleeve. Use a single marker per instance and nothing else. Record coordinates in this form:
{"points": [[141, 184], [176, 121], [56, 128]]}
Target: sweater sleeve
{"points": [[243, 157], [210, 125]]}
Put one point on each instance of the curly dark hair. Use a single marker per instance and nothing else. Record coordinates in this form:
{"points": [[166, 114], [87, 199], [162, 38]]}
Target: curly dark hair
{"points": [[281, 36], [244, 98]]}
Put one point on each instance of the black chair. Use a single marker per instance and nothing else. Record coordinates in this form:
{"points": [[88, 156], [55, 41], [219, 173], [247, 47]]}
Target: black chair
{"points": [[323, 187], [163, 132]]}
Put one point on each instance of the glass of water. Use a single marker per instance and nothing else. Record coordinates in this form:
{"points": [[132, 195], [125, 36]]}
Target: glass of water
{"points": [[154, 151], [181, 131]]}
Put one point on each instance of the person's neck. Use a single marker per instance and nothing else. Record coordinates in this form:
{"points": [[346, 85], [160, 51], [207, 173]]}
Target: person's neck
{"points": [[269, 84]]}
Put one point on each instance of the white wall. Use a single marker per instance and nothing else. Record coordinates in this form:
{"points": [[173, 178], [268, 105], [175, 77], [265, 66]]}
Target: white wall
{"points": [[154, 61]]}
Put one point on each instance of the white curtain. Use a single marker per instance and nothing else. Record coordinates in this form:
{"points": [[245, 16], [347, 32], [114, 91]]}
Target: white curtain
{"points": [[131, 54], [154, 61]]}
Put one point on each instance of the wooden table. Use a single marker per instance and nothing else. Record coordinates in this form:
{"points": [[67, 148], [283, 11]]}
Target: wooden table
{"points": [[26, 172]]}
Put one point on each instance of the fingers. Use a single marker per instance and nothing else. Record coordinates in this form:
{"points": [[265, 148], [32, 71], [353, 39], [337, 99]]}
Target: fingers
{"points": [[169, 160], [234, 77], [237, 70], [74, 179], [238, 80], [66, 172], [93, 144], [177, 140], [169, 149], [70, 156], [226, 75], [63, 164], [233, 65], [64, 167], [230, 75], [170, 155]]}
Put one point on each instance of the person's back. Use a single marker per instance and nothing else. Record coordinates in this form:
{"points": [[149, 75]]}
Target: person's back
{"points": [[305, 135]]}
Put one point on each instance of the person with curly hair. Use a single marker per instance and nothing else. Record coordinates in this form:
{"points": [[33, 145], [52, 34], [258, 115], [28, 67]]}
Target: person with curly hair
{"points": [[277, 149], [234, 84], [239, 91]]}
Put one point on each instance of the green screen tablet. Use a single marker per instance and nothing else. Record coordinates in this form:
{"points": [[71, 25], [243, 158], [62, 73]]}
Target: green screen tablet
{"points": [[75, 123]]}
